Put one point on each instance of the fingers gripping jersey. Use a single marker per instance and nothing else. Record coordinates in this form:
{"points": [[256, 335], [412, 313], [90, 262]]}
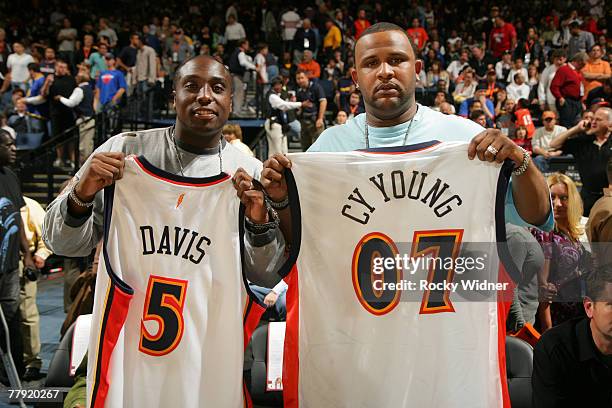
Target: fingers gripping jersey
{"points": [[349, 344], [170, 299]]}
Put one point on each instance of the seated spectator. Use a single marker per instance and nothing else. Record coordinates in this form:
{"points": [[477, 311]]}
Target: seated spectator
{"points": [[533, 80], [565, 258], [110, 85], [438, 100], [436, 73], [233, 135], [517, 68], [309, 66], [492, 85], [486, 105], [601, 92], [599, 226], [466, 88], [341, 118], [503, 67], [478, 116], [447, 108], [518, 89], [505, 120], [457, 66], [523, 116], [500, 100], [542, 138], [572, 363], [355, 105], [275, 297], [331, 72], [24, 122], [4, 126], [521, 138]]}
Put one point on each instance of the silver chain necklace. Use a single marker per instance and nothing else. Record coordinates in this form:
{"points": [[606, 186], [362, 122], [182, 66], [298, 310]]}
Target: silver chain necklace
{"points": [[367, 135], [178, 154]]}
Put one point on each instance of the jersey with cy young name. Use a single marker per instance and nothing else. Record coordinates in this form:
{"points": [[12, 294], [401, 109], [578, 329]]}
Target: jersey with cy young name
{"points": [[172, 313], [351, 342]]}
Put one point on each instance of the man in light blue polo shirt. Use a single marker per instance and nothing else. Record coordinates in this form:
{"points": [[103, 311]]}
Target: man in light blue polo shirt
{"points": [[385, 73]]}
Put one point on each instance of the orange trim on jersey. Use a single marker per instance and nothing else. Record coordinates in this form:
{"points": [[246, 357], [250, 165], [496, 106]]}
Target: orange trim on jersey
{"points": [[169, 301], [407, 152], [434, 251], [355, 274], [503, 308], [291, 357], [116, 307], [180, 183]]}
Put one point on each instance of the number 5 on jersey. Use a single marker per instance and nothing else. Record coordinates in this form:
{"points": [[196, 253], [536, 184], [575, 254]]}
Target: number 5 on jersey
{"points": [[164, 302]]}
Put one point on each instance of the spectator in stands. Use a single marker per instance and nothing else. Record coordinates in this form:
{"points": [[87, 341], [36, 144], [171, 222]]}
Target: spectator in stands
{"points": [[435, 74], [82, 102], [289, 23], [447, 109], [567, 89], [503, 67], [261, 66], [5, 50], [110, 85], [97, 61], [466, 88], [361, 23], [579, 41], [531, 50], [24, 122], [333, 38], [603, 92], [66, 38], [331, 72], [502, 37], [304, 39], [533, 80], [47, 65], [239, 66], [275, 297], [521, 138], [152, 41], [517, 68], [280, 117], [86, 49], [572, 363], [596, 71], [17, 64], [486, 104], [309, 66], [565, 259], [418, 35], [233, 135], [177, 50], [37, 104], [61, 84], [12, 238], [591, 146], [32, 216], [341, 117], [311, 117], [500, 100], [355, 105], [599, 226], [478, 116], [234, 32], [126, 60], [545, 96], [108, 32], [144, 75], [481, 61], [438, 100], [518, 89], [542, 138], [457, 66]]}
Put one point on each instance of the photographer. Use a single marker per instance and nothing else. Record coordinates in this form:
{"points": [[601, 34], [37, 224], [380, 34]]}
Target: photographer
{"points": [[33, 216], [280, 118]]}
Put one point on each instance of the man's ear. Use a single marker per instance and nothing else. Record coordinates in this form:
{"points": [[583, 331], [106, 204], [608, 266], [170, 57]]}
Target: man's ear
{"points": [[174, 99], [354, 77], [588, 304], [418, 66]]}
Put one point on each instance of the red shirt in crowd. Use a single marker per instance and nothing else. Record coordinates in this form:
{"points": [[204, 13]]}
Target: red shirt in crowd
{"points": [[419, 36], [523, 118], [502, 39], [360, 26], [567, 83]]}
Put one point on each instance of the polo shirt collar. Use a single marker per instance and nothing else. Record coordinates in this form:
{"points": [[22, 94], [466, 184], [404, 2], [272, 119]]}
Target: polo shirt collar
{"points": [[586, 346]]}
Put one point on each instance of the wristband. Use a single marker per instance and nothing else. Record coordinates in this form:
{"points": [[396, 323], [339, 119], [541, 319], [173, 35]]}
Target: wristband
{"points": [[523, 167], [72, 195], [266, 226], [278, 205]]}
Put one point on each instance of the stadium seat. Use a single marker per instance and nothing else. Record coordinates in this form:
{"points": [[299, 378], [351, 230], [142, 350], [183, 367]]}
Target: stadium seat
{"points": [[519, 367], [257, 385], [58, 374]]}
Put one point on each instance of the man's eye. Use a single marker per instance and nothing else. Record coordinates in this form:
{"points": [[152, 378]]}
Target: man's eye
{"points": [[219, 88], [395, 61], [191, 85]]}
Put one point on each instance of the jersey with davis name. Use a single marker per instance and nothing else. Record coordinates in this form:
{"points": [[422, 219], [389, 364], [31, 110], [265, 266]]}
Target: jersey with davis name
{"points": [[172, 312], [352, 342]]}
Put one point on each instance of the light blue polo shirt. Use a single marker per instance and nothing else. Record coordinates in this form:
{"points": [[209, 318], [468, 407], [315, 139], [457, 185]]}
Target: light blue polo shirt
{"points": [[428, 125]]}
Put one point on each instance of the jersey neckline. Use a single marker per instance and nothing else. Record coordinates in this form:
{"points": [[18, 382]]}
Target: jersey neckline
{"points": [[164, 175], [410, 148]]}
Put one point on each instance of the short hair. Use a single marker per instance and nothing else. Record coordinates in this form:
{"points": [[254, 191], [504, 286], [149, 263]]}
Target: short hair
{"points": [[135, 34], [580, 56], [476, 114], [261, 46], [276, 81], [595, 45], [32, 66], [4, 133], [517, 75], [177, 72], [243, 41], [232, 129], [301, 71], [597, 281], [557, 53], [607, 110], [382, 27]]}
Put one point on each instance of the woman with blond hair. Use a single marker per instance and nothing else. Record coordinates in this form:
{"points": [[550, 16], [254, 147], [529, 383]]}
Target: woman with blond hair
{"points": [[565, 259]]}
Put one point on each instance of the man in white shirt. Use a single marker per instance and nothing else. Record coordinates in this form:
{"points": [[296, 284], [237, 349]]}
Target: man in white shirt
{"points": [[546, 98], [234, 31], [503, 67], [67, 38], [106, 31], [290, 21], [518, 68], [278, 122], [541, 140], [519, 89], [455, 67], [17, 64]]}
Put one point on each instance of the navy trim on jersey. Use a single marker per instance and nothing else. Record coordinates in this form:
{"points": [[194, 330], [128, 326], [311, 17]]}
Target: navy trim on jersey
{"points": [[402, 149], [101, 340], [109, 196], [196, 181], [500, 222]]}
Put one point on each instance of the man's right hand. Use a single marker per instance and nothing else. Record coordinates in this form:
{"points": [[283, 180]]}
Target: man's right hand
{"points": [[582, 126], [102, 171], [307, 104], [273, 176]]}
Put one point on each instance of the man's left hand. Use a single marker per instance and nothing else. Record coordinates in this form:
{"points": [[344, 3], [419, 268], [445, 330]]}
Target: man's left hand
{"points": [[28, 262], [506, 148], [270, 299], [38, 262], [319, 123], [253, 200]]}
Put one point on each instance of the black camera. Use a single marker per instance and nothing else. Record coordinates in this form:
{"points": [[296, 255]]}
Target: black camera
{"points": [[30, 273]]}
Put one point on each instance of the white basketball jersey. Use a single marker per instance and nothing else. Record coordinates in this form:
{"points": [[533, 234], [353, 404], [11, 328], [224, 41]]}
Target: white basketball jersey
{"points": [[171, 304], [351, 343]]}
